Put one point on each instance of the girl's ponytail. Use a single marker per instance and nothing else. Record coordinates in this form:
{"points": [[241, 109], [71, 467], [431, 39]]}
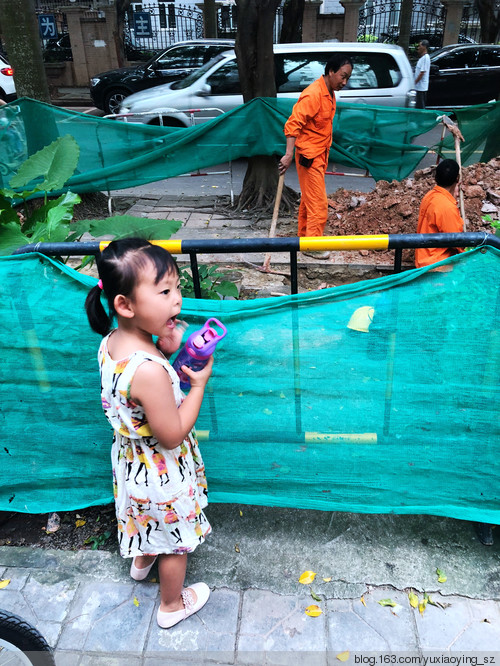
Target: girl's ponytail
{"points": [[99, 320]]}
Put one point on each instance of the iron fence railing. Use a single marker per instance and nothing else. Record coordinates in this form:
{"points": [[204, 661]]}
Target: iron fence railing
{"points": [[291, 245]]}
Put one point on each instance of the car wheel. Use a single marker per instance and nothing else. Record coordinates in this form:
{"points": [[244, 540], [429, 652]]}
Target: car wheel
{"points": [[167, 122], [113, 99]]}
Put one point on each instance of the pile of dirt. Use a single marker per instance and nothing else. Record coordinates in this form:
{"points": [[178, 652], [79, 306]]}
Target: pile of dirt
{"points": [[392, 208]]}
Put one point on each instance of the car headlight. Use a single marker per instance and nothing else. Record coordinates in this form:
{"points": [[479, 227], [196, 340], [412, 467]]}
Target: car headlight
{"points": [[124, 109], [94, 81]]}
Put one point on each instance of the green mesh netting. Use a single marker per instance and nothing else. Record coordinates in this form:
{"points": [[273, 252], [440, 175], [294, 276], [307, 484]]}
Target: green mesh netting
{"points": [[480, 126], [302, 410], [115, 155]]}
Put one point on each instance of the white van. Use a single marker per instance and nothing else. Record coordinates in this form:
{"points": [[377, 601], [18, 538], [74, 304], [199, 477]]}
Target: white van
{"points": [[382, 75]]}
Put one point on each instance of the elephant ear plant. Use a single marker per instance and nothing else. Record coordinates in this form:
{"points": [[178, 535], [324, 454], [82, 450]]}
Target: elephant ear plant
{"points": [[49, 169]]}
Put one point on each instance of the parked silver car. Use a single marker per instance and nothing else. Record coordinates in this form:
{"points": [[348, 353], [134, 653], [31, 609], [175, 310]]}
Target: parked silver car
{"points": [[382, 75]]}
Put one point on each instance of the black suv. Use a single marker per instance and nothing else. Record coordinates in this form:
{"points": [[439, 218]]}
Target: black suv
{"points": [[464, 74], [109, 89]]}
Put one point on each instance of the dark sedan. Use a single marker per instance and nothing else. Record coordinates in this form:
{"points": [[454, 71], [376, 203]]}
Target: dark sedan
{"points": [[464, 74], [109, 89]]}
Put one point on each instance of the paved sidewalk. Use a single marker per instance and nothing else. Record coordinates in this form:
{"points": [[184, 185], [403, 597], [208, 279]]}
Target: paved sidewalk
{"points": [[92, 612]]}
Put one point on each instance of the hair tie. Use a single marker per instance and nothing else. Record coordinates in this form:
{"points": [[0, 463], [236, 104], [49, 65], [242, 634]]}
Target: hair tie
{"points": [[99, 284]]}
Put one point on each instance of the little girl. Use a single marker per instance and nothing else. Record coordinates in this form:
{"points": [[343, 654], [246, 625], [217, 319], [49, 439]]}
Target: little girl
{"points": [[159, 479]]}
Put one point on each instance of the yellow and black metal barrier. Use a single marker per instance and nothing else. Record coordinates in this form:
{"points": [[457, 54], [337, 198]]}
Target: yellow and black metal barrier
{"points": [[293, 245]]}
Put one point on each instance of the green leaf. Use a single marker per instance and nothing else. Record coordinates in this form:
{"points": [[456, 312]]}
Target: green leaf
{"points": [[441, 576], [7, 211], [122, 226], [227, 288], [315, 596], [387, 602], [87, 260], [11, 237], [211, 295], [60, 209], [43, 232], [56, 163]]}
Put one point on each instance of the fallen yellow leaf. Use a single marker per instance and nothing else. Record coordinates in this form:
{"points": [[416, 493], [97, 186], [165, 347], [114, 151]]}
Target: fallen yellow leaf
{"points": [[313, 611], [80, 523], [363, 601], [136, 601], [237, 548], [421, 606], [327, 580], [343, 656], [4, 583], [307, 577], [241, 513], [413, 599]]}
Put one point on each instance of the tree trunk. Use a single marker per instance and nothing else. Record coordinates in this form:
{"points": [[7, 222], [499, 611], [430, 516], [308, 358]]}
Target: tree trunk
{"points": [[209, 18], [24, 49], [405, 24], [254, 52], [490, 23], [293, 13], [121, 10]]}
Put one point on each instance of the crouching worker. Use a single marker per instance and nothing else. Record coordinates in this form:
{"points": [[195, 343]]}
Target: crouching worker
{"points": [[439, 214]]}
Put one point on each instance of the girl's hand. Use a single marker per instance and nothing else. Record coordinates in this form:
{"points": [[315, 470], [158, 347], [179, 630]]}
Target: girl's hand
{"points": [[199, 379], [169, 344]]}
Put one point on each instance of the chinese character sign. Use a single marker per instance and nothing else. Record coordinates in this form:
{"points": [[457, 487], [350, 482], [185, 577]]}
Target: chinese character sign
{"points": [[47, 26], [142, 25]]}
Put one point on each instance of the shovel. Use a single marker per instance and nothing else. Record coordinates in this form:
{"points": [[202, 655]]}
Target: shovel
{"points": [[272, 231]]}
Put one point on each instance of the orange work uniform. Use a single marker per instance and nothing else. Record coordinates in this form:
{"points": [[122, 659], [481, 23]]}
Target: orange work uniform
{"points": [[438, 215], [311, 125]]}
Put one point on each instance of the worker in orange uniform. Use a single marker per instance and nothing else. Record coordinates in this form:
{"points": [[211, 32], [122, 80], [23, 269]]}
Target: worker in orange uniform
{"points": [[439, 214], [309, 132]]}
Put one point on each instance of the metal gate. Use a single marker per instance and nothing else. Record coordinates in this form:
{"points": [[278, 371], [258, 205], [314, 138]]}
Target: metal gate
{"points": [[227, 22], [151, 28], [379, 21], [470, 26]]}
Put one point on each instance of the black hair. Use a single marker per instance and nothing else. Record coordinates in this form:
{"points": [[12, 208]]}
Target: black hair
{"points": [[119, 267], [447, 173], [424, 43], [336, 61]]}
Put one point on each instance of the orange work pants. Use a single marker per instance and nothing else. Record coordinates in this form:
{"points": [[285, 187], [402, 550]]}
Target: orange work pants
{"points": [[313, 209]]}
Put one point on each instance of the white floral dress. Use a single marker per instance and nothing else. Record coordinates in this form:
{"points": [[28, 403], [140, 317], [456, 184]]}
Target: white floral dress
{"points": [[159, 493]]}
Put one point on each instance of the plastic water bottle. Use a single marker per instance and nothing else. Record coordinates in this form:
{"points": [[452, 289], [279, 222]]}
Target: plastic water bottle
{"points": [[198, 348]]}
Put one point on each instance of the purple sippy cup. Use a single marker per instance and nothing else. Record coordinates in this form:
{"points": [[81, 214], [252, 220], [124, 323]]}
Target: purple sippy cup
{"points": [[198, 348]]}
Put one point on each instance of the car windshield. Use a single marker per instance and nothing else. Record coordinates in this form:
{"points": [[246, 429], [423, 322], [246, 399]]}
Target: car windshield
{"points": [[194, 76]]}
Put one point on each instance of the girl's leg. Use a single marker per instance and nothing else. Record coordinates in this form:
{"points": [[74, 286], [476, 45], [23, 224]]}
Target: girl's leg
{"points": [[172, 570], [143, 561]]}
